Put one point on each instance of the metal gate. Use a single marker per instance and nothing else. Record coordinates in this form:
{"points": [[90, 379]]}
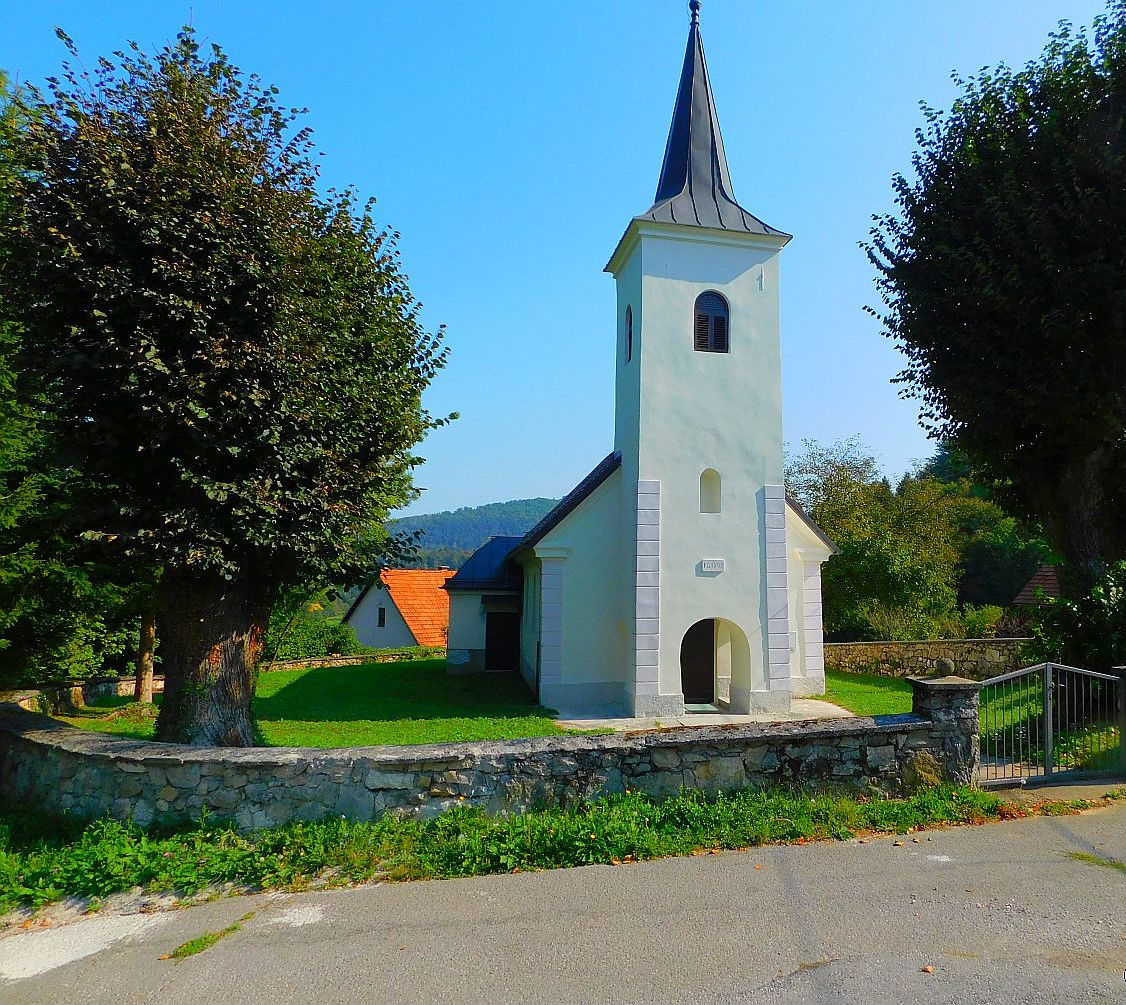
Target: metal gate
{"points": [[1050, 720]]}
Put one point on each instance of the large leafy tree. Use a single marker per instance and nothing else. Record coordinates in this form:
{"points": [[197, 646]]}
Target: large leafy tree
{"points": [[231, 360], [64, 609], [19, 488], [60, 613], [999, 552], [1002, 282], [896, 574], [920, 559]]}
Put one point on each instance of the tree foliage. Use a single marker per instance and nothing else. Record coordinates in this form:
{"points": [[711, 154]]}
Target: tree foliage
{"points": [[304, 625], [896, 571], [61, 613], [1001, 280], [999, 553], [1089, 632], [905, 551], [231, 362]]}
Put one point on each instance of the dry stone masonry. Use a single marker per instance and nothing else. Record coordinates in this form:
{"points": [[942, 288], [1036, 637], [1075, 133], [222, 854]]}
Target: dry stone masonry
{"points": [[62, 769], [977, 659]]}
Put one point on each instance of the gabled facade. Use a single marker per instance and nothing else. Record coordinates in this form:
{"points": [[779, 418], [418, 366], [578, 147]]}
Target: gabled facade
{"points": [[678, 574], [403, 607]]}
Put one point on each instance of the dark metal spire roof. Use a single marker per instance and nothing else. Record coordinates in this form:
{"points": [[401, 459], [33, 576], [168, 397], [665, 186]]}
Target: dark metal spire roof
{"points": [[695, 186]]}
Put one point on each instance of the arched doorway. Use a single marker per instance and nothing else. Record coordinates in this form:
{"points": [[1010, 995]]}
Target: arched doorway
{"points": [[715, 663], [697, 663]]}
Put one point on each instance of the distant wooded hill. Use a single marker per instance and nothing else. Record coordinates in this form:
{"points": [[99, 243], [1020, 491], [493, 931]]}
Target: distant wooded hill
{"points": [[449, 538]]}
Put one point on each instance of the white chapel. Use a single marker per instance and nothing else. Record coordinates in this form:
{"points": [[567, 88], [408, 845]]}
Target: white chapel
{"points": [[677, 576]]}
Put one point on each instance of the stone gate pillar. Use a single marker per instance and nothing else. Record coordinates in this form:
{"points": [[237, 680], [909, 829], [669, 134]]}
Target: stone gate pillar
{"points": [[951, 704]]}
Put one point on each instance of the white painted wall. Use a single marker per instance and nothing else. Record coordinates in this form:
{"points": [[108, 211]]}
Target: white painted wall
{"points": [[365, 622], [679, 412], [467, 621], [806, 554], [585, 659]]}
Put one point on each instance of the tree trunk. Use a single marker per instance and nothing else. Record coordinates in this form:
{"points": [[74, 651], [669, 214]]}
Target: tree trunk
{"points": [[146, 644], [211, 635], [1082, 530]]}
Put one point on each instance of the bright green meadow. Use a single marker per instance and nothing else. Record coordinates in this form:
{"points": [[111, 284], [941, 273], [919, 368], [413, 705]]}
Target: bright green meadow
{"points": [[868, 694], [407, 702]]}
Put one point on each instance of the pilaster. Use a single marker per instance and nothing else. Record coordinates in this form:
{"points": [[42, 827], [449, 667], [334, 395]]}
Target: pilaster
{"points": [[777, 591], [812, 627], [552, 568], [647, 697]]}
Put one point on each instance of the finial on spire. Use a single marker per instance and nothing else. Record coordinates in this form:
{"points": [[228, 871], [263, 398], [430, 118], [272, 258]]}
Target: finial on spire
{"points": [[694, 7]]}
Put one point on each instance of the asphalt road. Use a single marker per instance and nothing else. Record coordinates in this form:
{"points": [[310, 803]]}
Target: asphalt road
{"points": [[1001, 912]]}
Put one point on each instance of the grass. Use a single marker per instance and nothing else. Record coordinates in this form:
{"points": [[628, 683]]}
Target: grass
{"points": [[408, 702], [43, 860], [201, 942], [1106, 863], [1011, 719], [1093, 747], [868, 694]]}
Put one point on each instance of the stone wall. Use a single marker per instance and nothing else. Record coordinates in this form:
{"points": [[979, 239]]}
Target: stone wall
{"points": [[362, 659], [64, 697], [975, 659], [62, 769]]}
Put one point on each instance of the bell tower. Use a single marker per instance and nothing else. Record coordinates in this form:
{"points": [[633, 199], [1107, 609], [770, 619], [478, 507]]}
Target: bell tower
{"points": [[698, 424]]}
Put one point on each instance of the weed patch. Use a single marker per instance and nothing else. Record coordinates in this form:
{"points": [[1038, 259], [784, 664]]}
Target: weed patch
{"points": [[1106, 863], [43, 860], [202, 942]]}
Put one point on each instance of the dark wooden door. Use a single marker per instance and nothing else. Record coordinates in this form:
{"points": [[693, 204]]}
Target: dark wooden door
{"points": [[697, 664], [502, 641]]}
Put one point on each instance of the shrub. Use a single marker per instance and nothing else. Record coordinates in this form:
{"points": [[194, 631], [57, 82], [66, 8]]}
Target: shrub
{"points": [[303, 627], [981, 622], [1088, 633]]}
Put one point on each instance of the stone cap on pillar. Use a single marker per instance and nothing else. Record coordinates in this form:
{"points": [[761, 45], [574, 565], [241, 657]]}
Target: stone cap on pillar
{"points": [[943, 683], [942, 699]]}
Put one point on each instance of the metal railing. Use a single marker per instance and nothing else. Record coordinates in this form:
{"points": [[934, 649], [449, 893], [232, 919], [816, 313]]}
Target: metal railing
{"points": [[1048, 720]]}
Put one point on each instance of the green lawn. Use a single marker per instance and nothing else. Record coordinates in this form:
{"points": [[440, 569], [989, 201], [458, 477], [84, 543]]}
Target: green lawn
{"points": [[413, 701], [868, 694], [1011, 719]]}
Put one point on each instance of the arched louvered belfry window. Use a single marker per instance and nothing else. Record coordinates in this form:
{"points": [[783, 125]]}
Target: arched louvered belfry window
{"points": [[710, 330], [629, 333]]}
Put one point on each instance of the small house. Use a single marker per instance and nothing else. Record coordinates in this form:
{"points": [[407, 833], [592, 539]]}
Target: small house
{"points": [[403, 607]]}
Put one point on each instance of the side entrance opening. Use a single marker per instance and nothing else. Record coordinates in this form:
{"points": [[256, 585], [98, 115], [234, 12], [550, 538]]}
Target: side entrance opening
{"points": [[697, 663], [502, 641]]}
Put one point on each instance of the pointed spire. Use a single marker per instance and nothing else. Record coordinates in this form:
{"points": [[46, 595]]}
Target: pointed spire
{"points": [[695, 186]]}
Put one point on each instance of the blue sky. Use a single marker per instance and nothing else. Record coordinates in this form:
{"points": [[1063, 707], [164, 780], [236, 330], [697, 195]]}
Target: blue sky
{"points": [[510, 143]]}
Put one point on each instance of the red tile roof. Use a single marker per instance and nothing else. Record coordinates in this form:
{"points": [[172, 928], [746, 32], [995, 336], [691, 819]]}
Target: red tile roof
{"points": [[422, 602], [1046, 579]]}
